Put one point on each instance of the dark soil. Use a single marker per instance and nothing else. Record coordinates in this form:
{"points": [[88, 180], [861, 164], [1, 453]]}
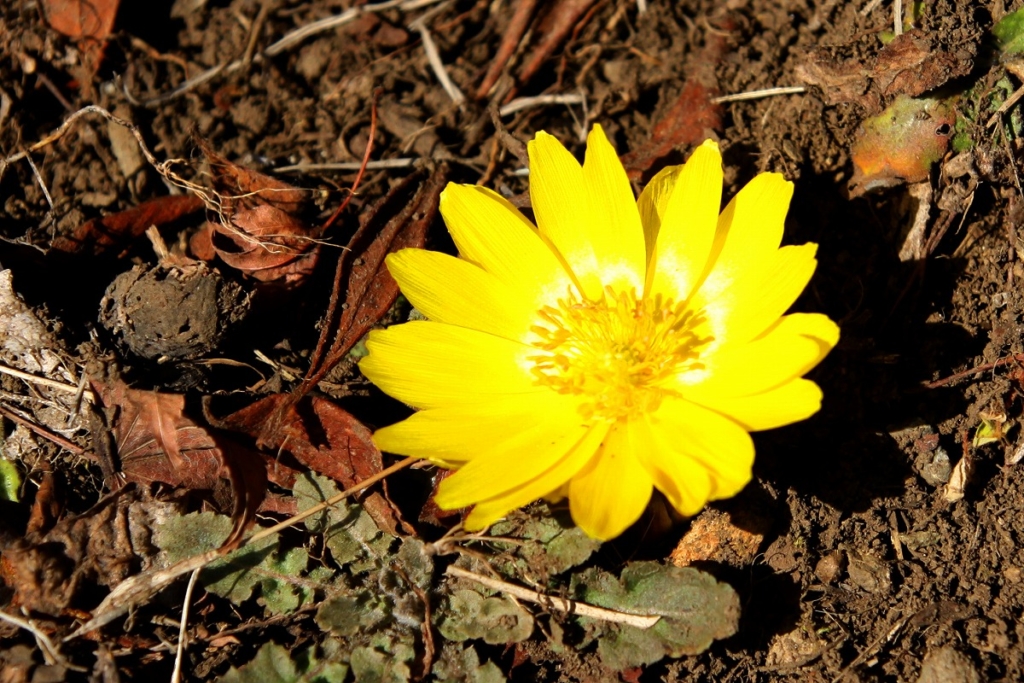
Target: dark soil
{"points": [[865, 571]]}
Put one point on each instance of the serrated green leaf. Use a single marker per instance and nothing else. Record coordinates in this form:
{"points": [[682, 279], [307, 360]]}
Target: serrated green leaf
{"points": [[347, 615], [274, 664], [545, 544], [457, 665], [385, 660], [349, 532], [466, 614], [278, 575], [695, 610]]}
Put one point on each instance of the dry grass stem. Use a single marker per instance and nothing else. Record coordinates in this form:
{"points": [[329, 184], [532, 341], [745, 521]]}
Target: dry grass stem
{"points": [[759, 94], [521, 103], [561, 604]]}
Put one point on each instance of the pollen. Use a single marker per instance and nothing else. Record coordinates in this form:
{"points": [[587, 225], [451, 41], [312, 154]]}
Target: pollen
{"points": [[617, 353]]}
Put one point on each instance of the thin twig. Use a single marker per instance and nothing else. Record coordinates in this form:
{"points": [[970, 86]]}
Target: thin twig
{"points": [[759, 94], [1005, 106], [570, 606], [641, 6], [42, 431], [897, 17], [183, 628], [977, 369], [521, 103], [870, 6], [434, 57], [46, 382], [51, 653], [39, 179], [380, 164]]}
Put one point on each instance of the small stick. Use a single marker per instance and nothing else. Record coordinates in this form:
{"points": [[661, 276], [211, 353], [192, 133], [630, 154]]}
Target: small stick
{"points": [[434, 57], [897, 17], [759, 94], [974, 371], [641, 6], [380, 164], [39, 179], [182, 634], [521, 103], [561, 604], [1005, 106], [43, 381], [870, 6], [51, 654], [42, 431]]}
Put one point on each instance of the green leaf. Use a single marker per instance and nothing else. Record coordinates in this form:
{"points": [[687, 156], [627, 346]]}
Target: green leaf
{"points": [[349, 532], [1009, 32], [385, 660], [456, 665], [273, 664], [348, 615], [694, 608], [545, 544], [277, 574], [466, 614], [10, 480]]}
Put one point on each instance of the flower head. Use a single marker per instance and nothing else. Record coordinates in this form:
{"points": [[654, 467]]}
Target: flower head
{"points": [[620, 345]]}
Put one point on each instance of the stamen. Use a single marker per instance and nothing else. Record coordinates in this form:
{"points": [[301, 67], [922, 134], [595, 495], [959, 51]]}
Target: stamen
{"points": [[616, 352]]}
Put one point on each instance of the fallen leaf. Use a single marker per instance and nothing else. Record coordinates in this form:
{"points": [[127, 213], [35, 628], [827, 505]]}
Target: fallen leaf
{"points": [[103, 545], [156, 441], [122, 228], [87, 21], [900, 144], [954, 489], [324, 438], [910, 65], [399, 220], [258, 230], [553, 29], [1009, 32]]}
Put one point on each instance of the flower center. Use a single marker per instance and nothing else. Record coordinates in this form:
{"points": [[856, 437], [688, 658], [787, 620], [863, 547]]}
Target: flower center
{"points": [[616, 352]]}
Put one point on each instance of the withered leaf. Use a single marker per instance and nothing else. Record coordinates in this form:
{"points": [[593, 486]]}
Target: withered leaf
{"points": [[156, 441], [122, 228], [321, 436]]}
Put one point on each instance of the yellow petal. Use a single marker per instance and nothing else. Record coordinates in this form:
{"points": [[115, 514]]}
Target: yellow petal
{"points": [[618, 234], [449, 290], [749, 232], [517, 454], [687, 218], [652, 205], [550, 482], [697, 456], [613, 489], [455, 434], [428, 365], [789, 349], [762, 294], [493, 234], [789, 403], [598, 249]]}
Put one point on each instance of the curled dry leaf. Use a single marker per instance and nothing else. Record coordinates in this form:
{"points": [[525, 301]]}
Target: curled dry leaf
{"points": [[156, 441], [324, 438], [258, 229]]}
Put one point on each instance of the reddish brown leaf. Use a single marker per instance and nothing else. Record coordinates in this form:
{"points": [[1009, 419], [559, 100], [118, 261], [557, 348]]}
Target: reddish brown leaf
{"points": [[690, 120], [81, 18], [322, 436], [258, 231], [396, 222], [430, 513], [120, 229], [156, 441], [88, 21]]}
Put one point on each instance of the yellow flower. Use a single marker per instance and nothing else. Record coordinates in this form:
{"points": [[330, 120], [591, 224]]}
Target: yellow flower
{"points": [[620, 345]]}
